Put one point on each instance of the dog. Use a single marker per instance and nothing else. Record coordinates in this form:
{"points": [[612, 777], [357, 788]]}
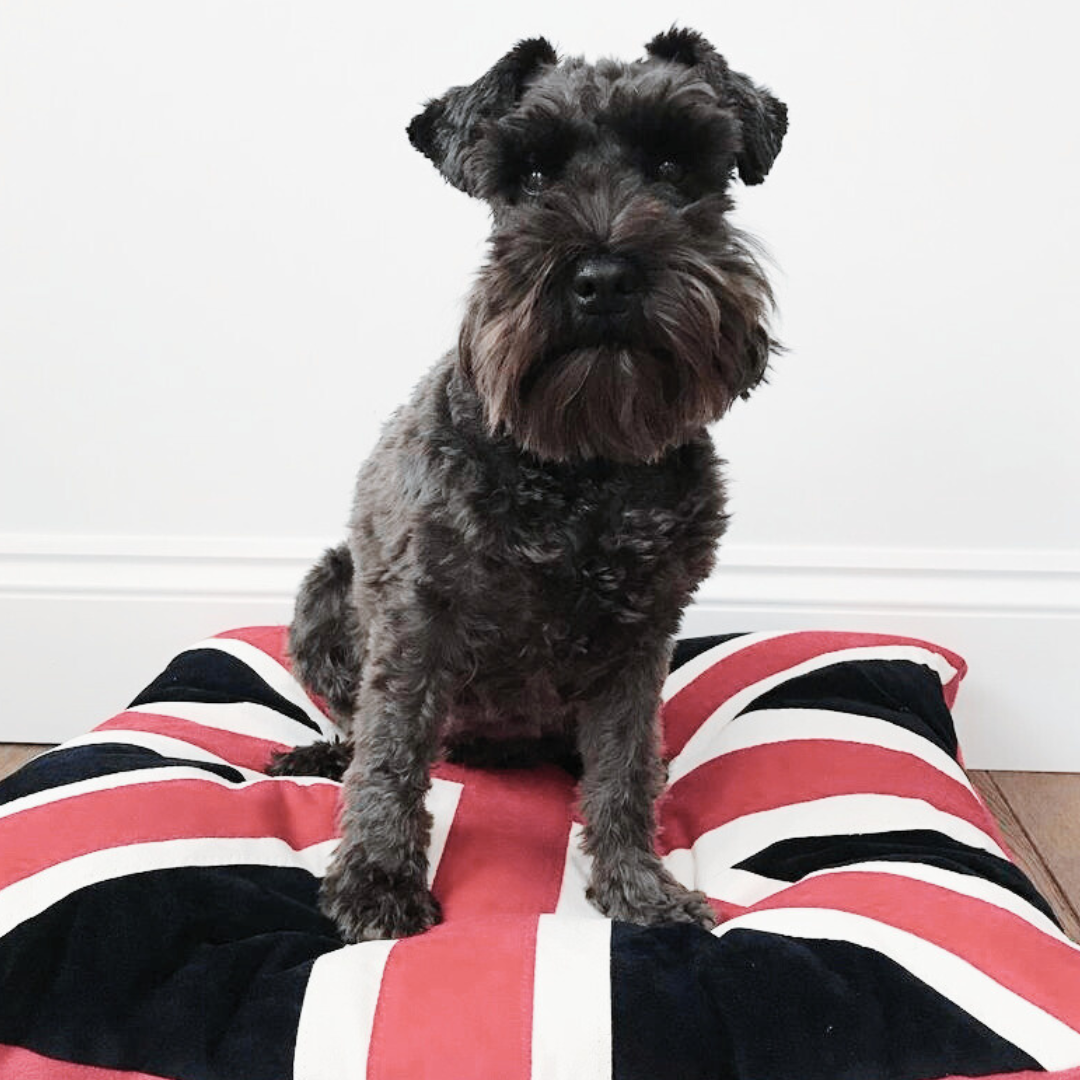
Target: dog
{"points": [[532, 524]]}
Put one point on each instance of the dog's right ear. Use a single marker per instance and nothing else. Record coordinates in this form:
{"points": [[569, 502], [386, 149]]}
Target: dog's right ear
{"points": [[450, 126]]}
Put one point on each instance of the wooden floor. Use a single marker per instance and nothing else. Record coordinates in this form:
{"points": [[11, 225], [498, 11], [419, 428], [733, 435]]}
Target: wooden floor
{"points": [[1039, 814]]}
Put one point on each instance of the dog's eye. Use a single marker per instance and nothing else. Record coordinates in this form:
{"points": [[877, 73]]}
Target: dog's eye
{"points": [[534, 182], [670, 172]]}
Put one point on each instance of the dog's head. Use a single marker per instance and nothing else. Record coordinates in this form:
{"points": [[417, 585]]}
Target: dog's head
{"points": [[619, 311]]}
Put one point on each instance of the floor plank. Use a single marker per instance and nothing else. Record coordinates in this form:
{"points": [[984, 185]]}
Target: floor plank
{"points": [[1048, 805], [15, 755], [1031, 855]]}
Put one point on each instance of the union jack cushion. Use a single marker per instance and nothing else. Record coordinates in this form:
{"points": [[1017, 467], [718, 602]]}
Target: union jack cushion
{"points": [[158, 914]]}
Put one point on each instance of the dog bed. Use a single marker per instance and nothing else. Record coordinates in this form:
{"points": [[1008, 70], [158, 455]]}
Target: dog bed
{"points": [[158, 895]]}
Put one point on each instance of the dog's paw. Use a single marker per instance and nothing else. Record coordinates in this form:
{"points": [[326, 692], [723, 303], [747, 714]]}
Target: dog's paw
{"points": [[326, 759], [646, 894], [688, 906], [367, 903]]}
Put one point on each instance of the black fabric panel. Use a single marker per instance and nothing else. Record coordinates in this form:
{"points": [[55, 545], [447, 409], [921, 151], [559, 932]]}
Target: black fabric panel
{"points": [[60, 767], [688, 1006], [793, 859], [196, 973], [667, 1009], [687, 648], [216, 676], [899, 691]]}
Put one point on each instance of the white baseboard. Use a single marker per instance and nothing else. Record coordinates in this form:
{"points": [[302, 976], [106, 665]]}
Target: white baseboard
{"points": [[89, 620]]}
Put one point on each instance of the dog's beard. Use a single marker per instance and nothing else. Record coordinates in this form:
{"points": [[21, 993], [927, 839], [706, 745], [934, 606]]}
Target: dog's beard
{"points": [[702, 342], [607, 401]]}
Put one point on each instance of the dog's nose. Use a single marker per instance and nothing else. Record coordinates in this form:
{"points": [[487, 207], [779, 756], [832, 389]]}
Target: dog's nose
{"points": [[606, 285]]}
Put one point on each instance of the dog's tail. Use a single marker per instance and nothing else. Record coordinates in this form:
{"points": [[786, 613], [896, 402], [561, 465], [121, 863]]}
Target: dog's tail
{"points": [[324, 638]]}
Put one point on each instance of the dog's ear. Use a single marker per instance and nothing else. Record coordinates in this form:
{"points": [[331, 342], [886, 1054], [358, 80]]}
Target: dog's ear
{"points": [[762, 117], [450, 126]]}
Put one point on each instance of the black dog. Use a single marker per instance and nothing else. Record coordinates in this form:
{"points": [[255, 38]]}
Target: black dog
{"points": [[532, 524]]}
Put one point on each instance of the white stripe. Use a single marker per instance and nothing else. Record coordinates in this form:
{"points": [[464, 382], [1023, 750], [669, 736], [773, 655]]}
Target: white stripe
{"points": [[441, 802], [238, 717], [702, 866], [734, 705], [767, 726], [333, 1039], [728, 883], [577, 871], [33, 895], [276, 676], [686, 673], [965, 884], [571, 1035], [1050, 1042]]}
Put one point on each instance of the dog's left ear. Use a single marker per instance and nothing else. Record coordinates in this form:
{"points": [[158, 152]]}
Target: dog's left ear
{"points": [[762, 117], [450, 126]]}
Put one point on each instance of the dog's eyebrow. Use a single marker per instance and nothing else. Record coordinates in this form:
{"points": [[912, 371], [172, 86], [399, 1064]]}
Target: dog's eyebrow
{"points": [[688, 133], [543, 136]]}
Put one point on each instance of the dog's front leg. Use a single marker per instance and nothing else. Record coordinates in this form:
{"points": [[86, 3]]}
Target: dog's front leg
{"points": [[619, 737], [376, 886]]}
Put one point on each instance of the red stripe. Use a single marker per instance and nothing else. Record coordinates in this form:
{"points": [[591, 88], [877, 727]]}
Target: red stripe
{"points": [[43, 836], [688, 709], [244, 751], [457, 1002], [1036, 966], [1061, 1074], [19, 1064], [272, 640], [725, 909], [26, 1065], [801, 770], [507, 847]]}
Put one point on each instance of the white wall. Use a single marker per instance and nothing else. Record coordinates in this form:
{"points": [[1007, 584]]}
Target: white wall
{"points": [[221, 264]]}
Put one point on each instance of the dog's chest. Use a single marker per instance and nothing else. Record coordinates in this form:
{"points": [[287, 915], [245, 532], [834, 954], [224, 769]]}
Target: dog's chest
{"points": [[559, 579], [581, 561], [569, 565], [556, 598]]}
